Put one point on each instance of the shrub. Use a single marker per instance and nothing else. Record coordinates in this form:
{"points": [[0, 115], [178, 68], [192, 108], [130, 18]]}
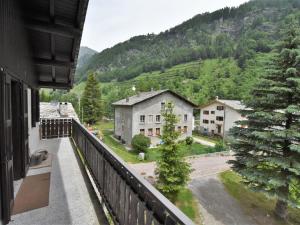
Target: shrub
{"points": [[140, 143], [220, 146], [189, 140]]}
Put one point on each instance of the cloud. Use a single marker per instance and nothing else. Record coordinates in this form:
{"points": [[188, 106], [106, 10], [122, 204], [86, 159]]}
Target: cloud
{"points": [[109, 22]]}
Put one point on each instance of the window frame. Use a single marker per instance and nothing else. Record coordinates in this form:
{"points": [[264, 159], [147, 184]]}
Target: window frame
{"points": [[218, 118], [142, 116], [150, 116], [185, 117], [220, 106], [149, 132], [157, 133], [157, 116]]}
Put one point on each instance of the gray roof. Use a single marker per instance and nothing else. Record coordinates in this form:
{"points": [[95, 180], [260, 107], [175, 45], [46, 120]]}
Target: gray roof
{"points": [[235, 104], [135, 99], [54, 110]]}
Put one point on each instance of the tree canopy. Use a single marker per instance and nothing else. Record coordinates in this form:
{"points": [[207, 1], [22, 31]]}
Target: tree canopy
{"points": [[267, 145], [91, 101]]}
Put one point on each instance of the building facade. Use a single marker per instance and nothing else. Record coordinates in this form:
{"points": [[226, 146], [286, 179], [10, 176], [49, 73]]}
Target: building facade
{"points": [[39, 44], [219, 116], [142, 114]]}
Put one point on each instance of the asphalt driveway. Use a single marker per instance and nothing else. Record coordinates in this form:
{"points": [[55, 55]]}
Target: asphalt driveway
{"points": [[216, 205]]}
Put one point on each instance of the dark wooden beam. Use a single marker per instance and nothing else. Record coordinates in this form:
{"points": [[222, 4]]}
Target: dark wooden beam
{"points": [[54, 85], [51, 62], [52, 28]]}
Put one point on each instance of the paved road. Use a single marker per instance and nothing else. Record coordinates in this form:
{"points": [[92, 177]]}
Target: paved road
{"points": [[203, 142], [202, 165], [216, 205]]}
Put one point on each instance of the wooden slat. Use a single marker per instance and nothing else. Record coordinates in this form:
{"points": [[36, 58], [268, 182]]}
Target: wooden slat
{"points": [[141, 213], [133, 208]]}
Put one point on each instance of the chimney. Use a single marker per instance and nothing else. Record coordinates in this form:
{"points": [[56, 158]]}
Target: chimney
{"points": [[217, 97], [63, 109], [127, 99], [152, 89]]}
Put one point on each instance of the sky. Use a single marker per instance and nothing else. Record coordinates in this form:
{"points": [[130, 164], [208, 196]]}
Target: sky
{"points": [[109, 22]]}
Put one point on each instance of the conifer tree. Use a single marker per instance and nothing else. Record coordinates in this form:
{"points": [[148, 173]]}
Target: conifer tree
{"points": [[91, 100], [267, 145], [173, 172]]}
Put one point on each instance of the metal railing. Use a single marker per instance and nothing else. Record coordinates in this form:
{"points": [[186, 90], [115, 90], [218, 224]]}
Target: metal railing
{"points": [[55, 128], [130, 199]]}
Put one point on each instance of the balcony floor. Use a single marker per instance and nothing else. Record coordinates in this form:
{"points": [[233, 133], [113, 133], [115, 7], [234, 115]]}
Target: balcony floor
{"points": [[71, 198]]}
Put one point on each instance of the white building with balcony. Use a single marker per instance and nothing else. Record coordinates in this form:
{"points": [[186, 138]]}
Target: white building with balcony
{"points": [[219, 116]]}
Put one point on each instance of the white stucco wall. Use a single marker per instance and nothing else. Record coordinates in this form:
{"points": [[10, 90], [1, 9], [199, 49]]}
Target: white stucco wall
{"points": [[33, 132], [212, 117], [153, 107], [230, 116], [123, 123]]}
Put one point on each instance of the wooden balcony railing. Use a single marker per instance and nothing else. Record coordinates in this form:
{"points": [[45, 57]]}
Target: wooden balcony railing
{"points": [[130, 199], [55, 128]]}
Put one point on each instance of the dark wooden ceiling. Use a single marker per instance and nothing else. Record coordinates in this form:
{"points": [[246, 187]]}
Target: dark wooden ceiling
{"points": [[54, 31]]}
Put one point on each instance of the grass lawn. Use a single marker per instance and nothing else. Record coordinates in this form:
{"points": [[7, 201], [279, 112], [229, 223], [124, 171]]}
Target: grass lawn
{"points": [[256, 205], [195, 149], [106, 127], [188, 204], [213, 139]]}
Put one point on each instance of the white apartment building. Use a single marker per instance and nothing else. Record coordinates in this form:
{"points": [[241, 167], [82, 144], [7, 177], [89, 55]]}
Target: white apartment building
{"points": [[141, 114], [218, 116]]}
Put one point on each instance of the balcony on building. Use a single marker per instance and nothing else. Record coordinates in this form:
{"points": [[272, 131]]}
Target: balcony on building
{"points": [[81, 181]]}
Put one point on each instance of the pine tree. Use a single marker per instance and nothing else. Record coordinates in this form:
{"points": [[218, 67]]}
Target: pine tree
{"points": [[172, 170], [91, 101], [267, 145]]}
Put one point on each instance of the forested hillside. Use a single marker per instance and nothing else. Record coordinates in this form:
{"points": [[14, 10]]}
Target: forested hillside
{"points": [[85, 53], [239, 33], [214, 54]]}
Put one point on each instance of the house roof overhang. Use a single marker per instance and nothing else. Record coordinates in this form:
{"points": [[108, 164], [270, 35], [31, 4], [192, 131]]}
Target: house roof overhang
{"points": [[54, 29]]}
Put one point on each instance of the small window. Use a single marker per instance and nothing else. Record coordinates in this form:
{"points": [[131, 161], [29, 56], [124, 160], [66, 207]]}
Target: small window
{"points": [[212, 112], [212, 121], [142, 131], [157, 131], [205, 121], [150, 119], [163, 106], [220, 107], [185, 118], [219, 118], [157, 119], [206, 112], [185, 129], [142, 118], [179, 129], [150, 132]]}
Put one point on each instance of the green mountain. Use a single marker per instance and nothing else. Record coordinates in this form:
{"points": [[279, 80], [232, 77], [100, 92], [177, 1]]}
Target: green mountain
{"points": [[85, 53], [213, 54], [239, 33]]}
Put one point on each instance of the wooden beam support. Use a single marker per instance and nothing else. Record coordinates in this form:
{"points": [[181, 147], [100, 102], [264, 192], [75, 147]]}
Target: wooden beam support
{"points": [[52, 28], [54, 85], [51, 62]]}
